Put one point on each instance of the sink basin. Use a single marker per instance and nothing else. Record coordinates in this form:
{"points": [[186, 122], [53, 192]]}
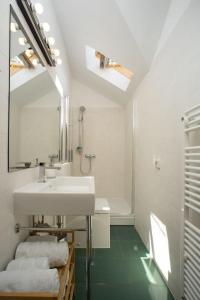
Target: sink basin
{"points": [[58, 196]]}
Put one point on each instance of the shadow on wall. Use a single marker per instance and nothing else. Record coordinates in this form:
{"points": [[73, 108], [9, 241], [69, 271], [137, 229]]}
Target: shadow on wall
{"points": [[159, 245]]}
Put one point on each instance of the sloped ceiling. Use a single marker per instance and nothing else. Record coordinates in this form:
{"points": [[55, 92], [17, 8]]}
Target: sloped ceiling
{"points": [[127, 31], [22, 96]]}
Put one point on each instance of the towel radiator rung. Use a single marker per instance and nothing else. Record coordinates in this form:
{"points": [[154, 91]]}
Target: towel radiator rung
{"points": [[192, 168], [192, 148], [193, 259], [195, 195], [194, 121], [193, 207], [192, 234], [193, 201], [190, 239], [189, 292], [187, 112], [189, 266], [192, 278], [192, 128], [192, 161], [192, 286], [193, 115], [192, 180], [192, 187], [190, 246], [191, 253], [192, 154], [193, 227], [192, 174]]}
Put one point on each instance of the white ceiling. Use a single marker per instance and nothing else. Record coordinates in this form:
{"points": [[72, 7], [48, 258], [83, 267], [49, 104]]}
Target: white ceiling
{"points": [[126, 30]]}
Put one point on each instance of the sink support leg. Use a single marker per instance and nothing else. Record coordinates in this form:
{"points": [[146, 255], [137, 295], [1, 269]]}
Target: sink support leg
{"points": [[88, 256]]}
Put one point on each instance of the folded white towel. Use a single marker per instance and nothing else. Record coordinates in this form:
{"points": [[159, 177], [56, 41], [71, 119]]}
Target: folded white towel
{"points": [[26, 281], [57, 253], [29, 263], [42, 238]]}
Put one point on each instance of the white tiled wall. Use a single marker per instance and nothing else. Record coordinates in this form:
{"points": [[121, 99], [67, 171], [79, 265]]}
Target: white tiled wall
{"points": [[10, 181], [107, 135]]}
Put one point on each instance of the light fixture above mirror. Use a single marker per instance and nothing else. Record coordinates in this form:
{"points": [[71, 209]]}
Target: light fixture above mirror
{"points": [[38, 8], [39, 29]]}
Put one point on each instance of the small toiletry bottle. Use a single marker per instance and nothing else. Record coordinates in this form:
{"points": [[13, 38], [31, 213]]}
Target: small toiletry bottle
{"points": [[41, 172]]}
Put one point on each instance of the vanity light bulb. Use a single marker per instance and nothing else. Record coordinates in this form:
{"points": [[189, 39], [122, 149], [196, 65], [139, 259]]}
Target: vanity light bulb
{"points": [[39, 9], [35, 61], [14, 27], [55, 52], [45, 27], [22, 41], [29, 52], [58, 61], [51, 41]]}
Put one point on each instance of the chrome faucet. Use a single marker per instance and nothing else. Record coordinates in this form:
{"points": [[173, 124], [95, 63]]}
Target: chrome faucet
{"points": [[52, 157], [42, 168]]}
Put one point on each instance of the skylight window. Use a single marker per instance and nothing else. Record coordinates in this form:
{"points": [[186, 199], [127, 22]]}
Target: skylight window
{"points": [[16, 60], [108, 68], [25, 60]]}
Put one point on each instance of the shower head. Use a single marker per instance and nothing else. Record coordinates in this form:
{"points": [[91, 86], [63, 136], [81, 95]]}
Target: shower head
{"points": [[81, 111], [82, 108]]}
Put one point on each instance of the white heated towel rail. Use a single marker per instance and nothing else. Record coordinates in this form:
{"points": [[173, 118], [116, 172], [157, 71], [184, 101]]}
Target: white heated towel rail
{"points": [[191, 206]]}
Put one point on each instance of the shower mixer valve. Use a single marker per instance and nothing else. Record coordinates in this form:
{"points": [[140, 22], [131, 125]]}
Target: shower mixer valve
{"points": [[90, 156]]}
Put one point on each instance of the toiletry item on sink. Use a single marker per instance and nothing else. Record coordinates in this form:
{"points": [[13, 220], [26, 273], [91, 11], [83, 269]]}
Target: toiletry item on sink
{"points": [[26, 280], [41, 172], [57, 253], [50, 173], [28, 263]]}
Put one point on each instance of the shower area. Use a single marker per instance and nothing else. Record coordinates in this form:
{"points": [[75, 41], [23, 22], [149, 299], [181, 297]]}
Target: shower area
{"points": [[102, 147]]}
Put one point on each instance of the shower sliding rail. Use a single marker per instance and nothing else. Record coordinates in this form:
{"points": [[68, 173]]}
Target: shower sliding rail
{"points": [[191, 206]]}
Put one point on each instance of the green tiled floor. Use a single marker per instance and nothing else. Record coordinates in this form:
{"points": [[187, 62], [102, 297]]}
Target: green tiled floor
{"points": [[123, 272]]}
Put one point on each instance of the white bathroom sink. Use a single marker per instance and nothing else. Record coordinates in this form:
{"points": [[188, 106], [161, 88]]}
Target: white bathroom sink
{"points": [[58, 196]]}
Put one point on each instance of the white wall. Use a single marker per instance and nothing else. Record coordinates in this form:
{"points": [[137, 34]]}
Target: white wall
{"points": [[129, 188], [171, 86], [8, 182], [104, 136]]}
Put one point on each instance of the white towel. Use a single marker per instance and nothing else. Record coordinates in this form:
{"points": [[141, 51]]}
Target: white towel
{"points": [[42, 238], [57, 253], [26, 281], [29, 263]]}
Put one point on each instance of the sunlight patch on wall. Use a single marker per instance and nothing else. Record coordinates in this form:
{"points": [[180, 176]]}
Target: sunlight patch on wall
{"points": [[107, 68], [159, 245]]}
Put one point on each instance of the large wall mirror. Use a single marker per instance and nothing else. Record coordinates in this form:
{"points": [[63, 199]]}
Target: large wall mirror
{"points": [[34, 104]]}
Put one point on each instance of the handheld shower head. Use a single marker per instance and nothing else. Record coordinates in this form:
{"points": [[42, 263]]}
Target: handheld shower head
{"points": [[82, 108], [81, 111]]}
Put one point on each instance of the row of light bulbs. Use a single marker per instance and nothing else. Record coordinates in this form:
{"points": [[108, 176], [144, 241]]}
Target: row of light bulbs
{"points": [[38, 9]]}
